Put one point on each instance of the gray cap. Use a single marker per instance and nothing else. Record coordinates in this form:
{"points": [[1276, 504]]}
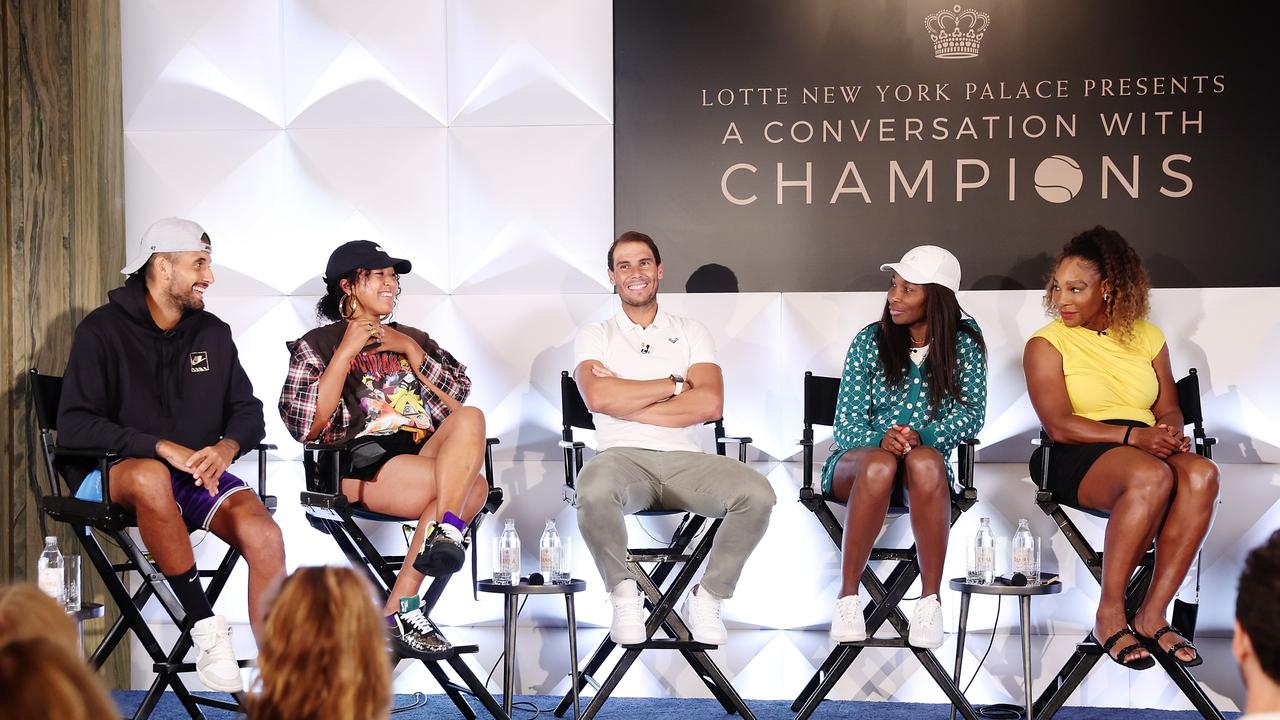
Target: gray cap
{"points": [[167, 235]]}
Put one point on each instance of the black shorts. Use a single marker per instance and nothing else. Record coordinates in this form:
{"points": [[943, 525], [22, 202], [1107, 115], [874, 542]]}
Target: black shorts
{"points": [[1068, 465], [366, 455]]}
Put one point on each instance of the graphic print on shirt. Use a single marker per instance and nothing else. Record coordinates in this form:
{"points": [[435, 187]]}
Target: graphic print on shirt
{"points": [[391, 394]]}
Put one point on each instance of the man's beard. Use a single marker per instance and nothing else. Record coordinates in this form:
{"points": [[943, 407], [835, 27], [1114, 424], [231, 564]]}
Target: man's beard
{"points": [[191, 300]]}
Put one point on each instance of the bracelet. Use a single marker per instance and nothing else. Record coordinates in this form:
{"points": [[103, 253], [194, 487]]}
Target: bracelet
{"points": [[1126, 434]]}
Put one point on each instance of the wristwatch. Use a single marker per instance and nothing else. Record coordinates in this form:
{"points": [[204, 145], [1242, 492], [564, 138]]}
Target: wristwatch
{"points": [[679, 381]]}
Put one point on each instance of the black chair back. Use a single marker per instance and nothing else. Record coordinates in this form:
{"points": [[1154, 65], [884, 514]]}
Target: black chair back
{"points": [[46, 393], [821, 395], [573, 409], [1189, 398]]}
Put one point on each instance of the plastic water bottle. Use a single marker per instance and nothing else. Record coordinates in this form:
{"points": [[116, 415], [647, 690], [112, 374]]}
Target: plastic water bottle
{"points": [[549, 552], [984, 553], [507, 570], [1024, 548], [51, 576], [555, 556]]}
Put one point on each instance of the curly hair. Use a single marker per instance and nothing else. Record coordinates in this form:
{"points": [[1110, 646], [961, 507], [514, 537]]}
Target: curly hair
{"points": [[1117, 261], [323, 624]]}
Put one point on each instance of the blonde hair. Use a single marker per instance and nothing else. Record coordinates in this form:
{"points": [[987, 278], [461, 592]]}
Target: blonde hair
{"points": [[26, 613], [40, 679], [323, 651]]}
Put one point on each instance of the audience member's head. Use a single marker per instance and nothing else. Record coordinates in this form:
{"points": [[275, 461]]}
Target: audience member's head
{"points": [[1257, 640], [324, 652], [40, 679], [26, 612]]}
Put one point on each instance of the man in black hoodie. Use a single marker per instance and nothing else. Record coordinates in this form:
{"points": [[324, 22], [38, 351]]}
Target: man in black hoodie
{"points": [[157, 379]]}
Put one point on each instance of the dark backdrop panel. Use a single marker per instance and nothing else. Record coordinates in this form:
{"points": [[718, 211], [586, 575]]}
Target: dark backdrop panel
{"points": [[672, 57]]}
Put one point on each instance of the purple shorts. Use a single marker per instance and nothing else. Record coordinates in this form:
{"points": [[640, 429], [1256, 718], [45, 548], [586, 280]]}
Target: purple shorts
{"points": [[196, 504]]}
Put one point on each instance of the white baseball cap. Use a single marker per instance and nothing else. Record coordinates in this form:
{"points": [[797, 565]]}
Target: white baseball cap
{"points": [[928, 264], [167, 235]]}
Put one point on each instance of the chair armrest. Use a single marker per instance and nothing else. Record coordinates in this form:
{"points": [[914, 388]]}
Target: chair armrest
{"points": [[575, 445], [323, 447], [94, 453], [104, 458], [741, 441]]}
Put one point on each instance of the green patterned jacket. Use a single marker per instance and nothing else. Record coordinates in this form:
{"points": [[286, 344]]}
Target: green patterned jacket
{"points": [[868, 404]]}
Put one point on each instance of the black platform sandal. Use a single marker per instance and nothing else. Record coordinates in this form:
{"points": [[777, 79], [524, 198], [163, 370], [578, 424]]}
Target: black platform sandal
{"points": [[1155, 646], [1118, 658]]}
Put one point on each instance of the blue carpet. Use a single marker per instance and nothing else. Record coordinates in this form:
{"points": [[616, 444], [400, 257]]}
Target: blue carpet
{"points": [[439, 706]]}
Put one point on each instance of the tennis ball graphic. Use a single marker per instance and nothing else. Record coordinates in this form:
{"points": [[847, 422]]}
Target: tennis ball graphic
{"points": [[1058, 178]]}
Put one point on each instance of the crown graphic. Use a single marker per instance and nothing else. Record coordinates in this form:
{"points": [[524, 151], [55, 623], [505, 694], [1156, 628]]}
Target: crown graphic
{"points": [[956, 33]]}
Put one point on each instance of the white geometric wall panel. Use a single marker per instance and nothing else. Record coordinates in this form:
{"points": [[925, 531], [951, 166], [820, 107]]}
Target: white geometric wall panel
{"points": [[374, 64], [475, 138], [522, 63], [528, 207]]}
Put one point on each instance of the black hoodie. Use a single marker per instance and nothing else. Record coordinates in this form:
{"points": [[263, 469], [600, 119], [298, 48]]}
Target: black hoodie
{"points": [[130, 384]]}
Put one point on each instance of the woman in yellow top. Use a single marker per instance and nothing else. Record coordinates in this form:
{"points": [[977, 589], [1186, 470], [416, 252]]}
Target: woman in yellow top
{"points": [[1101, 382]]}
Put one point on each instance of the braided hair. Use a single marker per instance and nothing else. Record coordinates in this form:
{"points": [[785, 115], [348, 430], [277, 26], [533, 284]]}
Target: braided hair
{"points": [[1117, 261]]}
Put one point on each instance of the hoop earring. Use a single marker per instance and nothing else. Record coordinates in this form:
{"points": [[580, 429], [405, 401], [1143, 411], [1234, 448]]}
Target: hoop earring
{"points": [[1106, 297], [348, 306]]}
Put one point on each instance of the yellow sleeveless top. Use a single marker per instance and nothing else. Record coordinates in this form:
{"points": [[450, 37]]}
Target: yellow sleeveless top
{"points": [[1107, 379]]}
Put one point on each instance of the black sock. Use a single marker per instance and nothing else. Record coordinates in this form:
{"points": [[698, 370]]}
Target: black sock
{"points": [[186, 586]]}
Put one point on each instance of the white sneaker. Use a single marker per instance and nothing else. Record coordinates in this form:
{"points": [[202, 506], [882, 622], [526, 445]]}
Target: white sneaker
{"points": [[926, 624], [702, 612], [215, 661], [627, 627], [847, 622]]}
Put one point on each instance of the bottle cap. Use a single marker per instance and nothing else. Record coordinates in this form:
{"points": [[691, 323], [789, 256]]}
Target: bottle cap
{"points": [[51, 538]]}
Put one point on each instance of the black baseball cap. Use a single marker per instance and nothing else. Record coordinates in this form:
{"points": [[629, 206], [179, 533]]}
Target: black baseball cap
{"points": [[361, 254]]}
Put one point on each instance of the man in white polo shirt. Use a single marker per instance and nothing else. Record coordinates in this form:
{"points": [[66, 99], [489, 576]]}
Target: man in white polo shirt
{"points": [[651, 380]]}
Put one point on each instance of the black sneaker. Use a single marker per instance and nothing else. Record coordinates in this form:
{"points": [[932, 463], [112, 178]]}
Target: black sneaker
{"points": [[444, 551], [413, 636]]}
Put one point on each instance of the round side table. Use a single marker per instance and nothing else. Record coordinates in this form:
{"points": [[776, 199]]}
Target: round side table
{"points": [[87, 611], [513, 593], [1001, 587]]}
